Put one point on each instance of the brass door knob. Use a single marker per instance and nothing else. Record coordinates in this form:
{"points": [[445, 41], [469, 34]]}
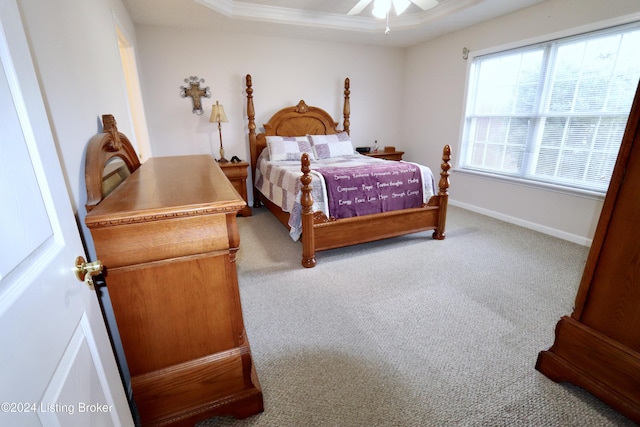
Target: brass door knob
{"points": [[86, 270]]}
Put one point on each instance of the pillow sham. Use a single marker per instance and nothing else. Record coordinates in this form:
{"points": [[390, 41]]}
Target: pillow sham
{"points": [[326, 146], [288, 147]]}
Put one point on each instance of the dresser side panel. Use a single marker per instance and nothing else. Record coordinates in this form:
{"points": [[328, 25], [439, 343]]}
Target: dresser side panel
{"points": [[169, 313]]}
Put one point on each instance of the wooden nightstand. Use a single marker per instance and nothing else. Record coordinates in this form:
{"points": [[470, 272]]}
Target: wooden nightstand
{"points": [[237, 174], [387, 155]]}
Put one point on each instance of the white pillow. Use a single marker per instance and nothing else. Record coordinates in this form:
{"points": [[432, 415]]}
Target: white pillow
{"points": [[326, 146], [288, 147]]}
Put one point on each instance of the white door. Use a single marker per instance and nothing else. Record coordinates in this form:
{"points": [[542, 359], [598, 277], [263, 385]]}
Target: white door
{"points": [[57, 367]]}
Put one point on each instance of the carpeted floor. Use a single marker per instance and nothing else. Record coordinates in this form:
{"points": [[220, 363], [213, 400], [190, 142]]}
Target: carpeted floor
{"points": [[411, 331]]}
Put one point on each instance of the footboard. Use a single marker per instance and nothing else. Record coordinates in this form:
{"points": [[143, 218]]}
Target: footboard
{"points": [[320, 233]]}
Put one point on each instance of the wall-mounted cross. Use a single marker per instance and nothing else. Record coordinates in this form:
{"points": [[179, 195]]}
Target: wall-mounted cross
{"points": [[195, 92]]}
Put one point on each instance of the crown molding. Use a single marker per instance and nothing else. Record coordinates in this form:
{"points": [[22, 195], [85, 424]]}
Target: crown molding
{"points": [[283, 15]]}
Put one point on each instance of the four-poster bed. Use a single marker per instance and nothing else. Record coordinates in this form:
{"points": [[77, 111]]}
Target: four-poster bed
{"points": [[320, 231]]}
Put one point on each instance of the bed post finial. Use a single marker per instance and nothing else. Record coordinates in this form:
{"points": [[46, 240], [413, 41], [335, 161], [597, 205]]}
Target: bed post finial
{"points": [[444, 173], [346, 111], [250, 109], [443, 192], [306, 201], [251, 115]]}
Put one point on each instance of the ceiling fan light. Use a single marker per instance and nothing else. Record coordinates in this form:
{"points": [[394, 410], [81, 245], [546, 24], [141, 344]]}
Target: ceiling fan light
{"points": [[381, 8], [400, 5]]}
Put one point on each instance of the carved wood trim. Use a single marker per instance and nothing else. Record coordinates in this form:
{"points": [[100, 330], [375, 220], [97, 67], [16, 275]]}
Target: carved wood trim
{"points": [[101, 148], [443, 193], [346, 109], [95, 222], [306, 201], [298, 120], [253, 146], [320, 218]]}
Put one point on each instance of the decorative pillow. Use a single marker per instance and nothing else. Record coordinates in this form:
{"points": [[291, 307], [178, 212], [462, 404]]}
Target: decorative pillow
{"points": [[326, 146], [288, 147]]}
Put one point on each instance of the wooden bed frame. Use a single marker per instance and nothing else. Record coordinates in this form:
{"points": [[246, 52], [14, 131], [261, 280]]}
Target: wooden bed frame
{"points": [[322, 233]]}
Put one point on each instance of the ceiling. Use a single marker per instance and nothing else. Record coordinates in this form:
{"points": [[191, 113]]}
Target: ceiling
{"points": [[325, 20]]}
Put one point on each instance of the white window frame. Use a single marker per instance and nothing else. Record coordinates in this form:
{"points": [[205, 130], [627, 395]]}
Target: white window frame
{"points": [[523, 45]]}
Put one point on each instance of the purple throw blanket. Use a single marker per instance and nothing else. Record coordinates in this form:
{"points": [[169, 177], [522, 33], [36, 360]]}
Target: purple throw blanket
{"points": [[368, 189]]}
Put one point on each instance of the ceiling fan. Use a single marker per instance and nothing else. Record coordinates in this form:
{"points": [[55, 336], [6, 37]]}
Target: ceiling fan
{"points": [[381, 8]]}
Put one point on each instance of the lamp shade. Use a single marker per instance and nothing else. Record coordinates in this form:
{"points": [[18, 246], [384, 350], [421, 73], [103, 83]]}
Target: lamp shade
{"points": [[217, 114]]}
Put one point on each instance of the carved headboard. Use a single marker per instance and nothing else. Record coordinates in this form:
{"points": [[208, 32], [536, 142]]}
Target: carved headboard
{"points": [[102, 150], [297, 120]]}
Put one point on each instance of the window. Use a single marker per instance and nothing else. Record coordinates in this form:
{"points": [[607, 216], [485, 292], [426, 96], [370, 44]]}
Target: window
{"points": [[553, 112]]}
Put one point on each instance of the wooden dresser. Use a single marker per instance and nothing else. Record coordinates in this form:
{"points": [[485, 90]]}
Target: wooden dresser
{"points": [[598, 346], [167, 237]]}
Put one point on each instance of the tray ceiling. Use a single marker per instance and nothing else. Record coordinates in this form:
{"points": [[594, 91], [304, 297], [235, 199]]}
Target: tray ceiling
{"points": [[320, 20]]}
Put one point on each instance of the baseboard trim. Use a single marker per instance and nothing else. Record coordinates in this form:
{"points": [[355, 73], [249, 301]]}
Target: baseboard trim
{"points": [[580, 240]]}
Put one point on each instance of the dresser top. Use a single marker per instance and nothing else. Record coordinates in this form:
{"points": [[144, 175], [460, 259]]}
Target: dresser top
{"points": [[166, 187]]}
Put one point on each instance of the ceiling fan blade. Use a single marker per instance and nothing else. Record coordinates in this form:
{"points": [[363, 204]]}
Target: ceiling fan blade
{"points": [[425, 4], [400, 5], [359, 7]]}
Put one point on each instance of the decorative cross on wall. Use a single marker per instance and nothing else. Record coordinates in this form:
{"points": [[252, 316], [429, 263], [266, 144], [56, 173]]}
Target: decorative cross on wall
{"points": [[195, 92]]}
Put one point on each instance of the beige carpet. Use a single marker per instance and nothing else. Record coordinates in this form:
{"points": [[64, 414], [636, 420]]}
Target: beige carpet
{"points": [[411, 331]]}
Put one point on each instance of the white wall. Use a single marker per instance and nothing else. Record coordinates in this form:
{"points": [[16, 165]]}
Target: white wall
{"points": [[75, 51], [283, 71], [435, 80]]}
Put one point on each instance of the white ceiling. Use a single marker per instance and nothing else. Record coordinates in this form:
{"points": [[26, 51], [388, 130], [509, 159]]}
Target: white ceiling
{"points": [[320, 19]]}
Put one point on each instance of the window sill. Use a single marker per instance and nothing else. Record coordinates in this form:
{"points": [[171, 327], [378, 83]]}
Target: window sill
{"points": [[575, 192]]}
